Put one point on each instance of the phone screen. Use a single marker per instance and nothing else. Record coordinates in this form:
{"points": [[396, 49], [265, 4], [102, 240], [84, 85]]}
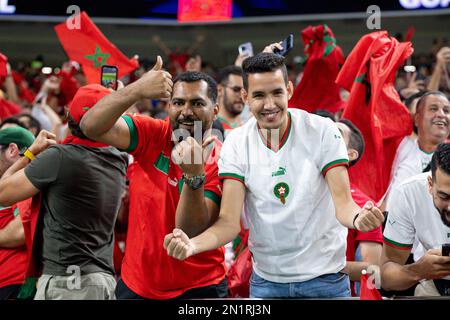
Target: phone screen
{"points": [[246, 49], [446, 249], [287, 45], [109, 77]]}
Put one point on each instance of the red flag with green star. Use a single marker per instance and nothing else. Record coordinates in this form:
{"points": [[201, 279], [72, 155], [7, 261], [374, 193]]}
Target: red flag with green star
{"points": [[324, 59], [91, 49]]}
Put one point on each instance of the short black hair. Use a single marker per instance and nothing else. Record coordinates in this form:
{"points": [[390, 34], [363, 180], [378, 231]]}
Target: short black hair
{"points": [[34, 123], [12, 120], [225, 73], [427, 94], [261, 63], [325, 114], [75, 128], [441, 159], [193, 76], [355, 141]]}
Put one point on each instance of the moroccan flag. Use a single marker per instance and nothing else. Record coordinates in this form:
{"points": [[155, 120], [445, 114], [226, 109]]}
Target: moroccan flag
{"points": [[204, 10], [317, 88], [91, 49], [3, 68], [410, 33], [374, 106], [366, 292]]}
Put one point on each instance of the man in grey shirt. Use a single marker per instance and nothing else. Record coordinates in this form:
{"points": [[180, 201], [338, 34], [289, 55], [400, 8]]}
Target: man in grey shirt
{"points": [[81, 183]]}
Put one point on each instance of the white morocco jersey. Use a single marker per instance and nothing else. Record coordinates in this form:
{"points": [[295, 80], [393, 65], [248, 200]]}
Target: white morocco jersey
{"points": [[294, 233], [409, 161], [412, 215]]}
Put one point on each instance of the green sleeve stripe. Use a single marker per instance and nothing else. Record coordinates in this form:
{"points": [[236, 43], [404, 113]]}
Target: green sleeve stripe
{"points": [[397, 245], [213, 197], [16, 212], [333, 164], [231, 176], [133, 133]]}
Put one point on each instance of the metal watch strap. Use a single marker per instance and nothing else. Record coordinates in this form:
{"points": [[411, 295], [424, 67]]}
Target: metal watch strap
{"points": [[194, 182]]}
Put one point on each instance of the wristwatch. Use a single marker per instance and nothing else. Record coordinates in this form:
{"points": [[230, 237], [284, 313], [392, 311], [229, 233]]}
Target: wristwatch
{"points": [[25, 152], [194, 182]]}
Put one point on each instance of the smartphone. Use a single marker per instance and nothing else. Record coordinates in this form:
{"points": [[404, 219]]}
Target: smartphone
{"points": [[446, 249], [109, 77], [287, 45], [246, 49]]}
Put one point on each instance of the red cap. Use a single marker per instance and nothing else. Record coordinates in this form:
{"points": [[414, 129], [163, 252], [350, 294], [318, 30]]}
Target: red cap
{"points": [[85, 98]]}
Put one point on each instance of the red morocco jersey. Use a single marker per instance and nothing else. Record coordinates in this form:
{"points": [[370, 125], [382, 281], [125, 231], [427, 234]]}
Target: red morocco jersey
{"points": [[155, 187], [13, 262]]}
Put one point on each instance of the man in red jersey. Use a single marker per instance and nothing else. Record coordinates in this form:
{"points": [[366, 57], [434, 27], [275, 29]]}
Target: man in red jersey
{"points": [[165, 194]]}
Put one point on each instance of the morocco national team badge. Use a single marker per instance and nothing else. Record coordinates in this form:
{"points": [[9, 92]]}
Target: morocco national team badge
{"points": [[281, 191]]}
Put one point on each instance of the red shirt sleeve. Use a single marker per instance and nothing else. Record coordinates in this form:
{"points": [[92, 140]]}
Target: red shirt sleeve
{"points": [[148, 136], [376, 235]]}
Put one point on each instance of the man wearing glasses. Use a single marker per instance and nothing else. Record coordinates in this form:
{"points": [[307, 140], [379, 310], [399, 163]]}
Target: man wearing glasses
{"points": [[229, 98]]}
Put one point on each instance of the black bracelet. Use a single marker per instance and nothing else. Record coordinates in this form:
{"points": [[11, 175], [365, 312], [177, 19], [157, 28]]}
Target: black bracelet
{"points": [[354, 219]]}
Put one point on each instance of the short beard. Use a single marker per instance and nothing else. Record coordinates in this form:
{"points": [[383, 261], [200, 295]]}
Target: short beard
{"points": [[230, 107], [443, 214]]}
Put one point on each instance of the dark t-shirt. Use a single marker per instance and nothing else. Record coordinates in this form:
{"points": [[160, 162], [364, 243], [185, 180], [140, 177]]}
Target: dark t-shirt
{"points": [[81, 193]]}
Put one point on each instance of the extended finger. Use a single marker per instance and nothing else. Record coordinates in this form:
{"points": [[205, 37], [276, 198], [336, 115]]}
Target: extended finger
{"points": [[207, 141]]}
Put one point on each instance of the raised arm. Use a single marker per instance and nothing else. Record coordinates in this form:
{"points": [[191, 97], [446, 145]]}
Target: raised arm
{"points": [[440, 69], [196, 210], [224, 230], [368, 218], [14, 184], [162, 46], [103, 122]]}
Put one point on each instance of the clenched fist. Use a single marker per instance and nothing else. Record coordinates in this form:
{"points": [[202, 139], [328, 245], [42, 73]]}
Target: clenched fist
{"points": [[44, 140], [369, 218], [155, 84], [178, 245], [190, 155]]}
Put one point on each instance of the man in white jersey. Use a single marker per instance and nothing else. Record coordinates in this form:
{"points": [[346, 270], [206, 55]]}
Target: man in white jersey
{"points": [[432, 119], [290, 167], [419, 209]]}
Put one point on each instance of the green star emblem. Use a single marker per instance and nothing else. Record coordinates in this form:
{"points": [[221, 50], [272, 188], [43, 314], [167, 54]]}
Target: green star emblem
{"points": [[98, 58]]}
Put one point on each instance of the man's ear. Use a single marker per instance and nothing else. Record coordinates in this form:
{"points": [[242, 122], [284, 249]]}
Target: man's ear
{"points": [[216, 111], [416, 119], [290, 89], [244, 96], [13, 150], [220, 90], [352, 154], [430, 185]]}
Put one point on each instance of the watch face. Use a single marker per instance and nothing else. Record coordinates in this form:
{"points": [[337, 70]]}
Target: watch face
{"points": [[197, 182]]}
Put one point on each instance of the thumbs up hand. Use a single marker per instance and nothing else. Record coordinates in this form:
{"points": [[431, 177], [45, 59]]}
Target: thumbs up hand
{"points": [[156, 83]]}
